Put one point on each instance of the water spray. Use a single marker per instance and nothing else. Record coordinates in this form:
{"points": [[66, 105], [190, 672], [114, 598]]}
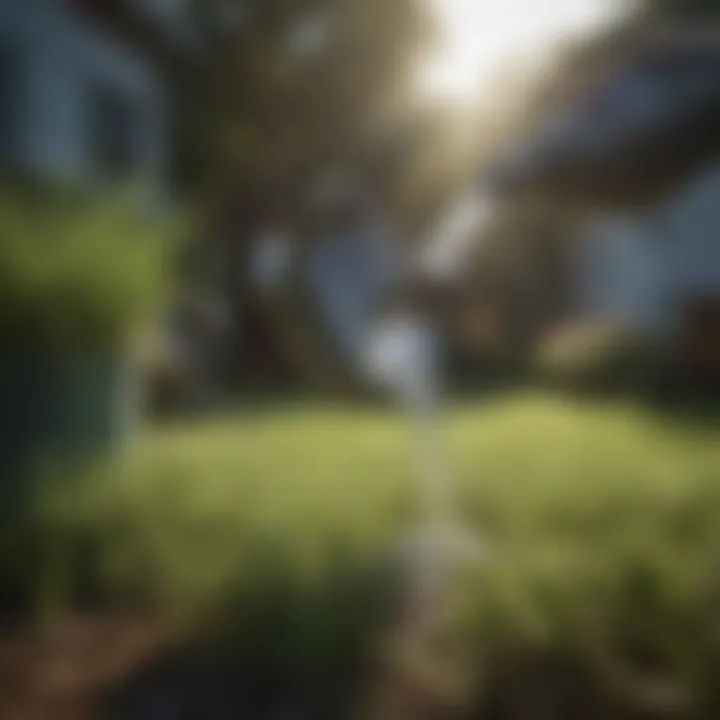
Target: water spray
{"points": [[405, 349], [404, 355]]}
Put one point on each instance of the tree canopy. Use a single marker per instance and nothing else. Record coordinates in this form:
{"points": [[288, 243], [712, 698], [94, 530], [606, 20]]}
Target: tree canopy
{"points": [[293, 86]]}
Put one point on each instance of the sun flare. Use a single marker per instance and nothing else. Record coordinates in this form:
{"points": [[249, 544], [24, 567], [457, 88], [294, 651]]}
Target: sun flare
{"points": [[480, 35]]}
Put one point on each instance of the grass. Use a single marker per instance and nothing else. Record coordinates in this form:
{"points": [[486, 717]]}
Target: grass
{"points": [[273, 525]]}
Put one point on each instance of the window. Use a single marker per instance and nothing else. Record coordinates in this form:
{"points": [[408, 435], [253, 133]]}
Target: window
{"points": [[114, 134], [162, 9], [9, 97]]}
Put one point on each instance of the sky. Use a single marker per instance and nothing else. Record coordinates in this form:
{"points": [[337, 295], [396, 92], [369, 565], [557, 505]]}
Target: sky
{"points": [[478, 35]]}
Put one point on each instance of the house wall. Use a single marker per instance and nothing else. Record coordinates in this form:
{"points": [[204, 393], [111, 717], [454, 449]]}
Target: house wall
{"points": [[691, 225], [641, 269], [621, 275], [347, 274], [61, 62]]}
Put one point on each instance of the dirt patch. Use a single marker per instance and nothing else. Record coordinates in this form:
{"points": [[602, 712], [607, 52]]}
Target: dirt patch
{"points": [[64, 671]]}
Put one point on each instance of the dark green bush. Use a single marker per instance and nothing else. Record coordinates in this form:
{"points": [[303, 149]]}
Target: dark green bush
{"points": [[600, 358], [599, 586], [77, 274]]}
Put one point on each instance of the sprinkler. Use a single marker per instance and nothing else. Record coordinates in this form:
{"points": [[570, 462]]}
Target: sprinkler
{"points": [[404, 350], [627, 143], [403, 354]]}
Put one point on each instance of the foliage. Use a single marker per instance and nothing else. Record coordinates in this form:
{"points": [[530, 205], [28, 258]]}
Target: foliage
{"points": [[267, 115], [602, 523], [279, 99], [77, 274], [600, 593], [599, 358]]}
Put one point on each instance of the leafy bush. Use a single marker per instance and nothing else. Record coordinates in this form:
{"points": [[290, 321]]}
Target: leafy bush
{"points": [[599, 358], [270, 528], [76, 274]]}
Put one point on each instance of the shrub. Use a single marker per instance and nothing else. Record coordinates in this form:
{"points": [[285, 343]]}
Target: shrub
{"points": [[602, 358], [76, 274]]}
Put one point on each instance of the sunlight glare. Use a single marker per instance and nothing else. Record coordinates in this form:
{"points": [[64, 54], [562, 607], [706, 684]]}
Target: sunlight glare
{"points": [[480, 35]]}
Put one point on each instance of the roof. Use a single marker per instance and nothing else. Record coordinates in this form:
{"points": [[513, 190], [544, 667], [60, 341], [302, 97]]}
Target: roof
{"points": [[164, 38], [633, 134]]}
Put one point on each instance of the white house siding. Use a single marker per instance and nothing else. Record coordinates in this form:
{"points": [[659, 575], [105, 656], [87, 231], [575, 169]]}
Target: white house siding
{"points": [[622, 277], [640, 269], [692, 227], [62, 60]]}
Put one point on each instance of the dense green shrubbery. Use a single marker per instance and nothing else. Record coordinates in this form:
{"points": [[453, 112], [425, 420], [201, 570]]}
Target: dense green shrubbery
{"points": [[599, 358], [76, 274], [598, 597]]}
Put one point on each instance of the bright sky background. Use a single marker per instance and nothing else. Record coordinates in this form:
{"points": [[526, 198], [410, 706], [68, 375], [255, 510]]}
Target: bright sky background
{"points": [[478, 35]]}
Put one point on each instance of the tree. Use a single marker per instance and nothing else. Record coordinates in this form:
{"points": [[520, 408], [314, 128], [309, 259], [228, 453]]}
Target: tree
{"points": [[295, 84], [282, 91]]}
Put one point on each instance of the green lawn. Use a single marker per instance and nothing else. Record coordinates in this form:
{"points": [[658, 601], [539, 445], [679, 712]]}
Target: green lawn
{"points": [[604, 522]]}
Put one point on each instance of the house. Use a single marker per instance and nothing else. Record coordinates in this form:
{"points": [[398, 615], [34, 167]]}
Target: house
{"points": [[84, 88], [86, 92], [657, 270], [639, 153]]}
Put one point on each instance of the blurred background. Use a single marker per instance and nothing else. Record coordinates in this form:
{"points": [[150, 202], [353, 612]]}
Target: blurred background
{"points": [[204, 203]]}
